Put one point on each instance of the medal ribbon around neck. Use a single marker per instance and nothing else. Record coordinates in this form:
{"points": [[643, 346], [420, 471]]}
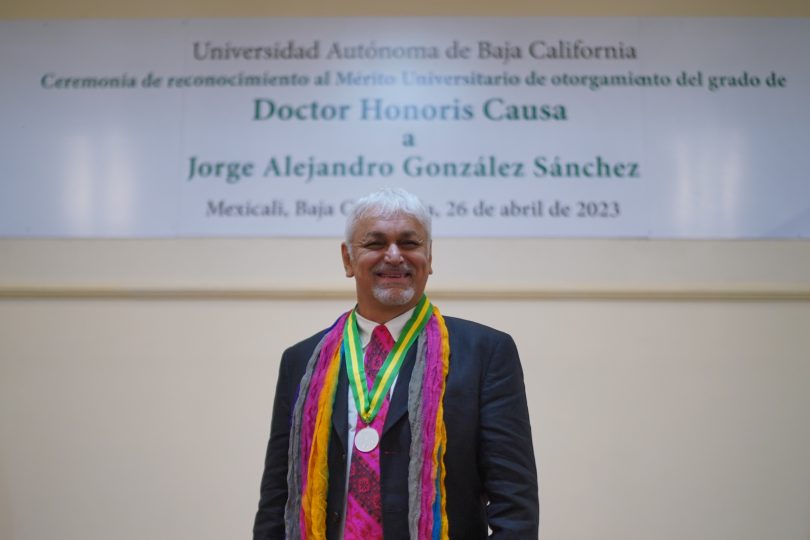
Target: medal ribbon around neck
{"points": [[369, 403]]}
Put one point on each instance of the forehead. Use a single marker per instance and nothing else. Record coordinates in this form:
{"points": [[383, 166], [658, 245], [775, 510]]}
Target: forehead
{"points": [[393, 226]]}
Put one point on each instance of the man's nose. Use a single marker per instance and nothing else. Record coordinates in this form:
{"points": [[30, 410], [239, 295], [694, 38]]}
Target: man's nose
{"points": [[392, 254]]}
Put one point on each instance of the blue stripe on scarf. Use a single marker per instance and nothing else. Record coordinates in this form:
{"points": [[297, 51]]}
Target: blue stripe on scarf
{"points": [[437, 503]]}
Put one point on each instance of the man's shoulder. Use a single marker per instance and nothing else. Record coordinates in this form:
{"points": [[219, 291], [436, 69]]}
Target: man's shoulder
{"points": [[467, 327], [306, 346]]}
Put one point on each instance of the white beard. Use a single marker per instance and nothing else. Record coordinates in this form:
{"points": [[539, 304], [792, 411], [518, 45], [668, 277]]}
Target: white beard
{"points": [[393, 296]]}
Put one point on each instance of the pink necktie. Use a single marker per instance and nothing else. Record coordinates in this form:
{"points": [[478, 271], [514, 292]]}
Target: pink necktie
{"points": [[364, 501]]}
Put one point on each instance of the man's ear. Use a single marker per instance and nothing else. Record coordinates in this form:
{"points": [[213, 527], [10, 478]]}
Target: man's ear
{"points": [[347, 260], [430, 258]]}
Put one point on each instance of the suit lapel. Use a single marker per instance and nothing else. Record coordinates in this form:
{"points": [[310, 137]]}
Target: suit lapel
{"points": [[340, 412]]}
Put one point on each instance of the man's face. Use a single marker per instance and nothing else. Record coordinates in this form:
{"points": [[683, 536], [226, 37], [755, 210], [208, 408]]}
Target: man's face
{"points": [[390, 262]]}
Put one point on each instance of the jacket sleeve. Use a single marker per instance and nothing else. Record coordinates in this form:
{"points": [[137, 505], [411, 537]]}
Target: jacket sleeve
{"points": [[269, 523], [506, 455]]}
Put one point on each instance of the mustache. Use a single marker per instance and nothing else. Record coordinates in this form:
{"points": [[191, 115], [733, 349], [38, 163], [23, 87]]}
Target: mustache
{"points": [[386, 267]]}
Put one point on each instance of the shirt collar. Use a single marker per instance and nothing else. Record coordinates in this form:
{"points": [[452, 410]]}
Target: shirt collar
{"points": [[395, 326]]}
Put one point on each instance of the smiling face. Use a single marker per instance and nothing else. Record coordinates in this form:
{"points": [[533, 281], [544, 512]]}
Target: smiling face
{"points": [[390, 263]]}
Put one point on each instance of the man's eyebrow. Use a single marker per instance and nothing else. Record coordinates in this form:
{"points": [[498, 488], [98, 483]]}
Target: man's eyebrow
{"points": [[372, 235], [410, 234], [376, 235]]}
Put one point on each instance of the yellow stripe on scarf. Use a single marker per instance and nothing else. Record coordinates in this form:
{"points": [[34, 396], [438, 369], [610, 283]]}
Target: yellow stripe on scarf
{"points": [[441, 431], [313, 502]]}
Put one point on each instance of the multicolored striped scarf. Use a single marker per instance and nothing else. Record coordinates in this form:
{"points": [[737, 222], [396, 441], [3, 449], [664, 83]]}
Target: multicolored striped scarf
{"points": [[308, 473]]}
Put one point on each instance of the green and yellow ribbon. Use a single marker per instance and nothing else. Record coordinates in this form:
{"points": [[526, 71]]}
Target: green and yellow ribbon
{"points": [[369, 402]]}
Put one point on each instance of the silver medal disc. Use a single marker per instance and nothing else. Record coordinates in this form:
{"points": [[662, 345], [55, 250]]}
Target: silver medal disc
{"points": [[366, 439]]}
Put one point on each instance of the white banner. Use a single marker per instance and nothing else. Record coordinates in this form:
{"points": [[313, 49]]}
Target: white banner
{"points": [[577, 127]]}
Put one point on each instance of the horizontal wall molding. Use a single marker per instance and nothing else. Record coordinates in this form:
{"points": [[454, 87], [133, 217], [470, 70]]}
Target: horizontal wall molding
{"points": [[480, 294], [464, 269]]}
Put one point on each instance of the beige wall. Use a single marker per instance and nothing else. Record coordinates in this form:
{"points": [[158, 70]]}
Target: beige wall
{"points": [[669, 382], [134, 419]]}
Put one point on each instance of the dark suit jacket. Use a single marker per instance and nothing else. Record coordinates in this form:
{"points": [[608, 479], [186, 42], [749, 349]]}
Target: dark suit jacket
{"points": [[491, 476]]}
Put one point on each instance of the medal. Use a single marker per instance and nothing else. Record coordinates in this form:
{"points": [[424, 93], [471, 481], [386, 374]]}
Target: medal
{"points": [[366, 439]]}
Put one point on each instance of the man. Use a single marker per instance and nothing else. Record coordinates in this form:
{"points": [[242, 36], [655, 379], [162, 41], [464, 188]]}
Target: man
{"points": [[397, 423]]}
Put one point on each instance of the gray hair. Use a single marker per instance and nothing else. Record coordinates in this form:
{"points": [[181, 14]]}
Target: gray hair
{"points": [[385, 203]]}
